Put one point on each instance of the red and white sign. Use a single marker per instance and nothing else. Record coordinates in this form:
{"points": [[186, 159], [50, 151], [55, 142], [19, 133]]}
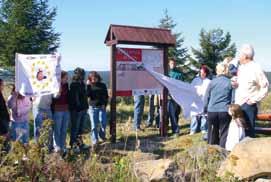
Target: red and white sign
{"points": [[133, 79]]}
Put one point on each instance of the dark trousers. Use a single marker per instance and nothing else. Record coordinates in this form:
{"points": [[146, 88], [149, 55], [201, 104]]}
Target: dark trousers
{"points": [[218, 125], [173, 111], [77, 124], [250, 113]]}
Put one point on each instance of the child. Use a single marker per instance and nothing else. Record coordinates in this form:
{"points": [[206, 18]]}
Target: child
{"points": [[4, 115], [20, 107], [61, 114], [237, 126]]}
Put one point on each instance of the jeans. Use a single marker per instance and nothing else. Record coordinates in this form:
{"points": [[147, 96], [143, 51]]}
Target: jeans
{"points": [[40, 116], [77, 124], [250, 113], [174, 111], [218, 126], [138, 110], [61, 122], [151, 114], [20, 131], [97, 117], [195, 121]]}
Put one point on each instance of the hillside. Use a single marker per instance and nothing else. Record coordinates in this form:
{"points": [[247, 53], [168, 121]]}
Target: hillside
{"points": [[104, 74]]}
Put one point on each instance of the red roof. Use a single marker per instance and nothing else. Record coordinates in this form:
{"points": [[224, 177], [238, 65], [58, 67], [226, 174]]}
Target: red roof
{"points": [[122, 34]]}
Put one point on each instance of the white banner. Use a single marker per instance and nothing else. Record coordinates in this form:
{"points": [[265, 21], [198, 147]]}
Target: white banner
{"points": [[37, 75], [183, 93]]}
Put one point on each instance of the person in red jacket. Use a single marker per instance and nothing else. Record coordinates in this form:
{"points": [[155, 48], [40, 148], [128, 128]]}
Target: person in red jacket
{"points": [[61, 114]]}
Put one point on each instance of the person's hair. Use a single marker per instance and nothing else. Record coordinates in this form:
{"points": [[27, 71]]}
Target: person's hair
{"points": [[94, 74], [1, 81], [205, 69], [248, 51], [237, 114], [63, 74], [222, 69], [236, 111], [171, 60], [79, 74]]}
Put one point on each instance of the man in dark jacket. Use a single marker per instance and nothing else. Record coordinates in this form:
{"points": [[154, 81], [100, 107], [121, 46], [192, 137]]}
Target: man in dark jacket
{"points": [[4, 115], [173, 108], [78, 108]]}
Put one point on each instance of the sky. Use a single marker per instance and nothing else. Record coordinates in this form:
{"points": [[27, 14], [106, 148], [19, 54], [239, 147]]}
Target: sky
{"points": [[83, 25]]}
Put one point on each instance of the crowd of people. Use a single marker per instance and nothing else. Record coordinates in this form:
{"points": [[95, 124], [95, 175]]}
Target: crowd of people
{"points": [[230, 100], [70, 105], [230, 106]]}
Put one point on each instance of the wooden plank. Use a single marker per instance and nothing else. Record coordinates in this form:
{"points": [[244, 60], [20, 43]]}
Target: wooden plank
{"points": [[264, 117], [263, 130], [164, 117], [113, 95]]}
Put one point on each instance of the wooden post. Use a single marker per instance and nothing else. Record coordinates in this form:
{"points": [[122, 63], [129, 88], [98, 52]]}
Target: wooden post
{"points": [[113, 95], [164, 117]]}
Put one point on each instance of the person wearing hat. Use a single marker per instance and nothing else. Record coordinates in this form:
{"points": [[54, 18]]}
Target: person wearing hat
{"points": [[20, 107], [251, 86]]}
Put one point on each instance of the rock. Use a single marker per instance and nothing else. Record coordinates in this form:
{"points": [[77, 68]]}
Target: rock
{"points": [[263, 180], [249, 159], [153, 170]]}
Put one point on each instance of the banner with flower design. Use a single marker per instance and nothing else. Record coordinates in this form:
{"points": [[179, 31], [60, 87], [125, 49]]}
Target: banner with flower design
{"points": [[37, 75]]}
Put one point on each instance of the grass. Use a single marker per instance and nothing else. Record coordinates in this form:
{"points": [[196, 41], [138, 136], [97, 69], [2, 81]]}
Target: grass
{"points": [[114, 161]]}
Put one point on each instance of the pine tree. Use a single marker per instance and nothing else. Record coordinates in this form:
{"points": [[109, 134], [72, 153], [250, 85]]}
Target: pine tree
{"points": [[26, 26], [214, 47], [179, 52]]}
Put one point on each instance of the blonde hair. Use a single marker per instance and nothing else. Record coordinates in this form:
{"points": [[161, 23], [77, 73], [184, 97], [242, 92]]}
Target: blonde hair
{"points": [[227, 60], [222, 69]]}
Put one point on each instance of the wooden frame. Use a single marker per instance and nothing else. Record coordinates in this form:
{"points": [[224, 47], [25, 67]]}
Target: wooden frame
{"points": [[146, 38]]}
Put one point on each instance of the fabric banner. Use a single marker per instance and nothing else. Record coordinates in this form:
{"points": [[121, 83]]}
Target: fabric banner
{"points": [[133, 79], [37, 75], [183, 93]]}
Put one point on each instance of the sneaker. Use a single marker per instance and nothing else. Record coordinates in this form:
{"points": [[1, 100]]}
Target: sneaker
{"points": [[203, 132], [175, 135], [192, 133], [205, 137]]}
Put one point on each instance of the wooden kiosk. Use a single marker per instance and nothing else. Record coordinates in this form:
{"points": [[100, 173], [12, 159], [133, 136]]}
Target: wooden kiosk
{"points": [[139, 36]]}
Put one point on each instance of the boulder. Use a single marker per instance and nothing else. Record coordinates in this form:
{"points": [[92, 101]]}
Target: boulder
{"points": [[249, 159], [263, 180], [152, 170]]}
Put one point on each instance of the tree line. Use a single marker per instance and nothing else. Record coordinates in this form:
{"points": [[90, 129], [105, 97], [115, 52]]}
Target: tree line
{"points": [[26, 26]]}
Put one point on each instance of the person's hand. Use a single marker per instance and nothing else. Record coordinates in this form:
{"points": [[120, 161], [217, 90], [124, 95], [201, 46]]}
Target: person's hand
{"points": [[88, 82], [234, 82]]}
